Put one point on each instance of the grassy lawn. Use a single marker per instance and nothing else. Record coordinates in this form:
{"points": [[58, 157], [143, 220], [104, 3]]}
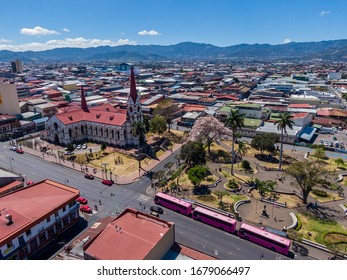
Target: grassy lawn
{"points": [[184, 182], [330, 197], [291, 200], [128, 166], [323, 232], [159, 153]]}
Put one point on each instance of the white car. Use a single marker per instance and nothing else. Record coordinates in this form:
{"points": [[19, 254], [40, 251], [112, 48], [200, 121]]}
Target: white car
{"points": [[13, 148], [84, 146], [79, 147]]}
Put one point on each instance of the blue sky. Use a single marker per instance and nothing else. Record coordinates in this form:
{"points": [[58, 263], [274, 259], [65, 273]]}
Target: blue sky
{"points": [[39, 25]]}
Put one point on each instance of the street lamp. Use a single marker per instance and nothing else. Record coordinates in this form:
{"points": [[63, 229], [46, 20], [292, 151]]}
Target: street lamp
{"points": [[115, 202], [11, 159]]}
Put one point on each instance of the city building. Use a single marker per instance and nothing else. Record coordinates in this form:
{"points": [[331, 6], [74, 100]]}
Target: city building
{"points": [[135, 235], [32, 217], [8, 98], [102, 123], [16, 66]]}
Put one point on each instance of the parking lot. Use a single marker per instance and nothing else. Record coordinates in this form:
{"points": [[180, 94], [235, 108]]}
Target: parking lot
{"points": [[337, 140]]}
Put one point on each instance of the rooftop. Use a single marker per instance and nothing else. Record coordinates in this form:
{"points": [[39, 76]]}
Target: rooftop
{"points": [[131, 236], [32, 204]]}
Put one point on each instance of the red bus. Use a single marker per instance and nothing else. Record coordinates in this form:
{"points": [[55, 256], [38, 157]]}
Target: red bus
{"points": [[214, 219], [264, 238], [173, 203]]}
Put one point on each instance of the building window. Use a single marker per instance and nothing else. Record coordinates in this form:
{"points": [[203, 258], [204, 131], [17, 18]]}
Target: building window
{"points": [[50, 232], [72, 204], [72, 216], [42, 237], [70, 133], [9, 245], [56, 214], [28, 232], [48, 219], [65, 221]]}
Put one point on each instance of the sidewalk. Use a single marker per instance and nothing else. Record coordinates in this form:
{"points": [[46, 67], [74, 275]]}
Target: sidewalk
{"points": [[119, 179]]}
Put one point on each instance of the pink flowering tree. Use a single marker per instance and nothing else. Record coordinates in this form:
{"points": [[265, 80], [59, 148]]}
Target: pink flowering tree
{"points": [[208, 129]]}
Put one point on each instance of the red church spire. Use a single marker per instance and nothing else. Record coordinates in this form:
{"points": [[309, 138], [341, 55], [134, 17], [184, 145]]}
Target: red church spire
{"points": [[84, 105], [133, 91]]}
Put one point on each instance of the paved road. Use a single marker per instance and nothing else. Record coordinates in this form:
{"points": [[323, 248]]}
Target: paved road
{"points": [[188, 231]]}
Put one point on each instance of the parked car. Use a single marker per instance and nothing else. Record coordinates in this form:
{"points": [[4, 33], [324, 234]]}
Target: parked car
{"points": [[89, 176], [157, 209], [84, 146], [19, 151], [107, 182], [85, 209], [28, 183], [13, 148], [155, 214], [69, 153], [79, 147], [82, 200]]}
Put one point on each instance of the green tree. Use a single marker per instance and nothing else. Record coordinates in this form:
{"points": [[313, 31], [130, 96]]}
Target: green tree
{"points": [[197, 174], [235, 121], [166, 108], [220, 195], [339, 161], [265, 142], [242, 149], [146, 123], [284, 122], [138, 130], [70, 147], [319, 154], [193, 153], [103, 146], [306, 175], [158, 124]]}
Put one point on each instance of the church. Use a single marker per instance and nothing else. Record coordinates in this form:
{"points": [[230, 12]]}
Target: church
{"points": [[98, 124]]}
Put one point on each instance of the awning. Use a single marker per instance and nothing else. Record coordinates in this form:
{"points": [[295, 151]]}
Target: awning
{"points": [[307, 133]]}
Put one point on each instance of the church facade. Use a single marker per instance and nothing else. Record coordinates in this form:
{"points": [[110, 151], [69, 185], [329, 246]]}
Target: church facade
{"points": [[98, 124]]}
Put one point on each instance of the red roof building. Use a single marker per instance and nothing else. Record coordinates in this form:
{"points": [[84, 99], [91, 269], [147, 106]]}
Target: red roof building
{"points": [[103, 123], [31, 217]]}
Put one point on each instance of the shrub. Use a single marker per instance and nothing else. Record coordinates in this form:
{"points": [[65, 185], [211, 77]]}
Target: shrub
{"points": [[320, 193], [245, 165], [207, 198], [232, 184]]}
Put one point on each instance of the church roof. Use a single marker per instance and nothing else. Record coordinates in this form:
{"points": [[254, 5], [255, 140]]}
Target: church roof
{"points": [[133, 91], [96, 116]]}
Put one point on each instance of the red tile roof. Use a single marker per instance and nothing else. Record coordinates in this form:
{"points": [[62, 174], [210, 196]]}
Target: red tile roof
{"points": [[32, 204], [96, 116], [131, 236]]}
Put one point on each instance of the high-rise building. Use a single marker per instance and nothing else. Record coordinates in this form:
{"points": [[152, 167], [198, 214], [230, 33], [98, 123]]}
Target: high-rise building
{"points": [[17, 66], [8, 99]]}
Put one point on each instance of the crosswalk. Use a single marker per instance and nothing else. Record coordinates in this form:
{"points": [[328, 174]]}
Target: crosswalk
{"points": [[143, 198]]}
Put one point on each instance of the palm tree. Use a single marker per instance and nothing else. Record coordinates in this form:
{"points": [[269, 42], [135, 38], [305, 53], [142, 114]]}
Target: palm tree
{"points": [[242, 149], [138, 130], [284, 122], [234, 121]]}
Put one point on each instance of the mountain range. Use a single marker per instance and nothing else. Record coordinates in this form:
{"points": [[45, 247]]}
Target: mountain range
{"points": [[333, 50]]}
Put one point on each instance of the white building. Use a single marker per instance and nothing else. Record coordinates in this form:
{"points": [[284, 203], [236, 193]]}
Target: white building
{"points": [[8, 99], [99, 124]]}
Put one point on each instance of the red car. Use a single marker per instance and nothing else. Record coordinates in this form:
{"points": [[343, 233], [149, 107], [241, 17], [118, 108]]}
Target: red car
{"points": [[85, 209], [19, 151], [29, 183], [107, 182], [89, 176], [82, 200]]}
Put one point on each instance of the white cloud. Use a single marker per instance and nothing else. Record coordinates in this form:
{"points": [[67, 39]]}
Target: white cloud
{"points": [[38, 31], [150, 33], [324, 13], [79, 42], [2, 40], [66, 30], [286, 41]]}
